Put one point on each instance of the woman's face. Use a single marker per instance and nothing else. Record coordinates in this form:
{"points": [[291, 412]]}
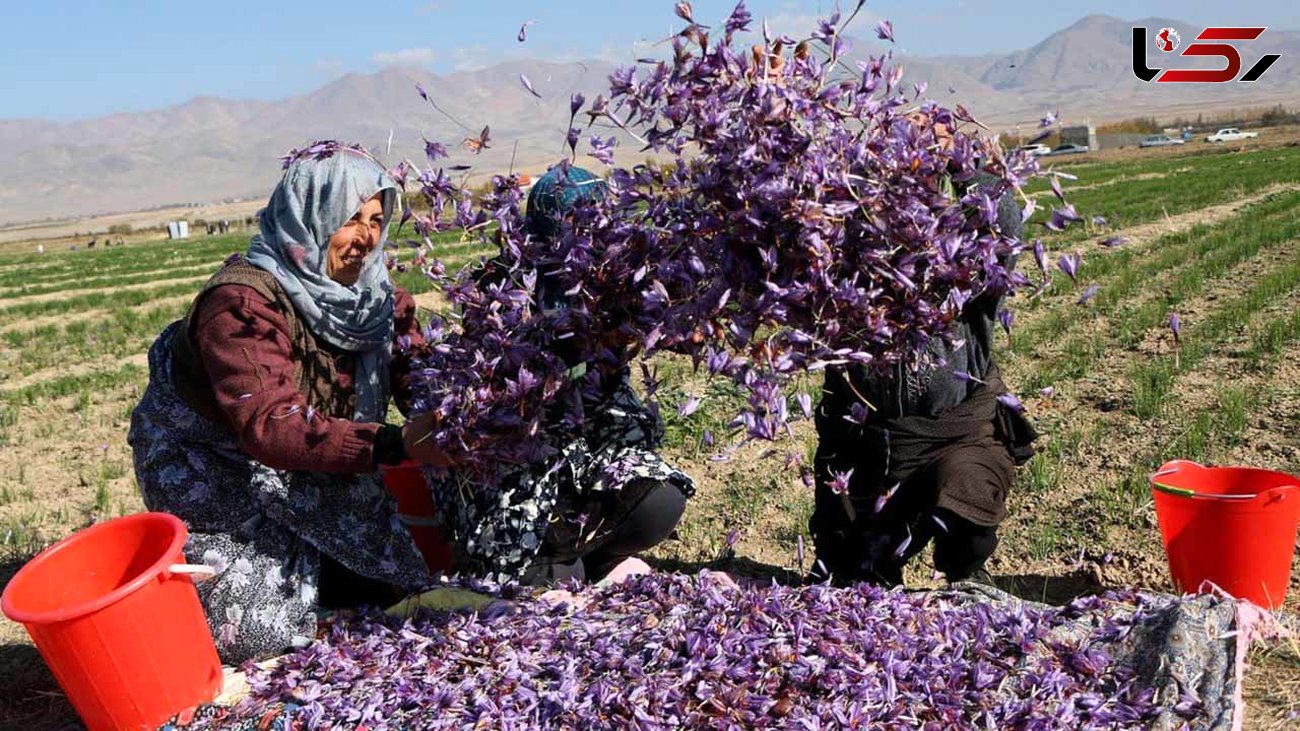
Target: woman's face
{"points": [[353, 242]]}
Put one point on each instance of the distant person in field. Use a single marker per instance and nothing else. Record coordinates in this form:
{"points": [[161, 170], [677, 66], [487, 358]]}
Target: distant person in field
{"points": [[610, 495], [263, 425], [933, 461]]}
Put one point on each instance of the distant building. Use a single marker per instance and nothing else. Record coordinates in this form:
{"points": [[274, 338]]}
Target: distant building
{"points": [[1081, 134], [178, 230]]}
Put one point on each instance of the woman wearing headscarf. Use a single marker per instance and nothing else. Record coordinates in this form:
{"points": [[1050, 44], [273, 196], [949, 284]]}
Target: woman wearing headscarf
{"points": [[263, 423], [608, 495], [935, 457]]}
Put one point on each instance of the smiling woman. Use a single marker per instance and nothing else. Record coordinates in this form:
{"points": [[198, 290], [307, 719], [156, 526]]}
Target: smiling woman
{"points": [[352, 244], [262, 423]]}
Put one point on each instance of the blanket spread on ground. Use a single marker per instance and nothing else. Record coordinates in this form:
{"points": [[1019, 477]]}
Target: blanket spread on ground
{"points": [[670, 651]]}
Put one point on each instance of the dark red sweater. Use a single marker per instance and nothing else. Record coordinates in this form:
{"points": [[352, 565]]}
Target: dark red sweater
{"points": [[245, 346]]}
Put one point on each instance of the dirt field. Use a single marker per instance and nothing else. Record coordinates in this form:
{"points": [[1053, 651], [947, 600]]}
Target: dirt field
{"points": [[1212, 234]]}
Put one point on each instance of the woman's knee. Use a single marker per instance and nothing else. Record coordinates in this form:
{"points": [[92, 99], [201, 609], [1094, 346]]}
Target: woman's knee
{"points": [[650, 521]]}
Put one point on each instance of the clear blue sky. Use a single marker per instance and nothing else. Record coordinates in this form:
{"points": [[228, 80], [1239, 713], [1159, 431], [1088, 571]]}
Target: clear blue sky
{"points": [[71, 59]]}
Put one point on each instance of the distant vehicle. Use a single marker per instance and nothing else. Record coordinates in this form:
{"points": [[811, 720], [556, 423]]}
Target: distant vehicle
{"points": [[1037, 150], [1068, 150], [1231, 134], [1160, 141]]}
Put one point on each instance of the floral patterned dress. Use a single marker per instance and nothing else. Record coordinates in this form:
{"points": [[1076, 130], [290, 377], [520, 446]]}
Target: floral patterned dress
{"points": [[264, 531], [565, 508]]}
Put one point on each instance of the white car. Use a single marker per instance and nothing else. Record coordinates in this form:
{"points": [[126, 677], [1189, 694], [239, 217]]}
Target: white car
{"points": [[1160, 141], [1037, 150], [1231, 134]]}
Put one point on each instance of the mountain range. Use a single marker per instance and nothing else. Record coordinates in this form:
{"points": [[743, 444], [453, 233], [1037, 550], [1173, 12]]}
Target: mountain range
{"points": [[211, 149]]}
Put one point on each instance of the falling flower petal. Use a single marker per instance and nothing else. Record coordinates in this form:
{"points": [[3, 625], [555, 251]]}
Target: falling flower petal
{"points": [[688, 407], [523, 30], [1069, 263], [885, 31], [1007, 318], [1011, 401], [839, 482], [528, 86], [805, 404], [1089, 293]]}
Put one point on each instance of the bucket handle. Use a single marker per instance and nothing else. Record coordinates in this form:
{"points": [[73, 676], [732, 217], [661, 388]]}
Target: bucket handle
{"points": [[1177, 465], [419, 521], [196, 572]]}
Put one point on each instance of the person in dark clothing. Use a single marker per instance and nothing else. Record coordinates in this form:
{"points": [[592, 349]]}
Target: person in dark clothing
{"points": [[934, 458], [608, 495]]}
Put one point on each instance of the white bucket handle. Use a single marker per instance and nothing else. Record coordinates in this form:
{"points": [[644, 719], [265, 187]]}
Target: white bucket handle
{"points": [[196, 572], [418, 521]]}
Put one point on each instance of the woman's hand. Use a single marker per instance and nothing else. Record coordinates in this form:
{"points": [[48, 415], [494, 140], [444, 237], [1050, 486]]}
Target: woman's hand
{"points": [[417, 437]]}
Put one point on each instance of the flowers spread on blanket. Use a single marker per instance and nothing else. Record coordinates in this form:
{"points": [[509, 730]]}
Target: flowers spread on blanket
{"points": [[669, 651]]}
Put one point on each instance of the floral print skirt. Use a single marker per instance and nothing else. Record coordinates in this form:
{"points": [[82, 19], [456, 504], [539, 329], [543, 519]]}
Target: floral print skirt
{"points": [[264, 531], [561, 510]]}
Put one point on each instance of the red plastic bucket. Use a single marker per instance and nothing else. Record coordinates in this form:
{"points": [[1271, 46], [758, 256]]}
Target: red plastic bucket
{"points": [[114, 612], [1233, 528], [405, 482]]}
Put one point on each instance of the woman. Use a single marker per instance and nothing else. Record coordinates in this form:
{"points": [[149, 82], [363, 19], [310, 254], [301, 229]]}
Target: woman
{"points": [[935, 457], [607, 497], [262, 425]]}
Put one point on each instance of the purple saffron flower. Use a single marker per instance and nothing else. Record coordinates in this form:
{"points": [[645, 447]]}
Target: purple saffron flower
{"points": [[1040, 256], [805, 404], [1176, 327], [1069, 263], [435, 150], [1089, 293], [603, 149], [1011, 401], [688, 406], [839, 482], [1007, 318], [739, 19], [1100, 221], [1112, 242], [1048, 119], [885, 30], [684, 11]]}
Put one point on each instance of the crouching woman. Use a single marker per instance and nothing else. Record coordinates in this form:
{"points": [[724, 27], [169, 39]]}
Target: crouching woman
{"points": [[262, 426]]}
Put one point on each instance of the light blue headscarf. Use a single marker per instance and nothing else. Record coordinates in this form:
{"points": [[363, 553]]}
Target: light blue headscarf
{"points": [[313, 200]]}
